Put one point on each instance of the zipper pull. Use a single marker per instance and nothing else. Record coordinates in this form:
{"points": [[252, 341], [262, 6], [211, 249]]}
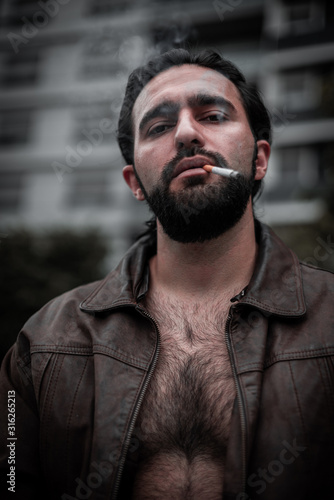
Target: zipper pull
{"points": [[236, 298]]}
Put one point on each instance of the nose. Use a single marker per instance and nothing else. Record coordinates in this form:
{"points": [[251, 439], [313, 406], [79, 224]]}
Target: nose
{"points": [[188, 132]]}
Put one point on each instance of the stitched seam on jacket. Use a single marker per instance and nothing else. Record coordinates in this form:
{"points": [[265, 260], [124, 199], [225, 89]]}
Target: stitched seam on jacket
{"points": [[115, 303], [270, 308], [122, 357], [256, 368], [298, 403], [48, 403], [289, 356], [24, 366], [40, 373], [56, 347], [326, 380], [90, 351], [68, 426], [310, 353]]}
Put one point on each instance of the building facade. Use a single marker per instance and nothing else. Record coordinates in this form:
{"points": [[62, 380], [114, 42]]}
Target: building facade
{"points": [[64, 66]]}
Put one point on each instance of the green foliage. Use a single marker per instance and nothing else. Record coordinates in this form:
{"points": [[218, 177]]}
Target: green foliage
{"points": [[34, 268]]}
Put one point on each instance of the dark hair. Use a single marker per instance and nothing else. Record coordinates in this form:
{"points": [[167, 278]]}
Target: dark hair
{"points": [[258, 116]]}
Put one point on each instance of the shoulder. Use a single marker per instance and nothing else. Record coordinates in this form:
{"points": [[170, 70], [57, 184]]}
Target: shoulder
{"points": [[318, 288], [76, 317], [317, 280], [60, 320]]}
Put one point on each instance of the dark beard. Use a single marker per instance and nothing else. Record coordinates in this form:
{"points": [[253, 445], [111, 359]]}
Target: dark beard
{"points": [[201, 211]]}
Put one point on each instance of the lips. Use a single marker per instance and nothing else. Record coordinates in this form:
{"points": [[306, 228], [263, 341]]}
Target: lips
{"points": [[191, 163]]}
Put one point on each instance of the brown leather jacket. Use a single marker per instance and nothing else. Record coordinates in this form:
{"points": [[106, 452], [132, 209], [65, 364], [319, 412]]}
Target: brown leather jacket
{"points": [[81, 365]]}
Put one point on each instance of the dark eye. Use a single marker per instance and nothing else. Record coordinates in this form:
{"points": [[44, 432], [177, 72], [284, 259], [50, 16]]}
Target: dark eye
{"points": [[216, 117], [158, 129]]}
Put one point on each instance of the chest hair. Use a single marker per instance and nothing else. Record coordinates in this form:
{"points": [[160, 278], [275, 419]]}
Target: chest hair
{"points": [[187, 408]]}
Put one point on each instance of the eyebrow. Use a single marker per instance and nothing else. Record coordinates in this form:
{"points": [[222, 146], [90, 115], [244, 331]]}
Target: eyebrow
{"points": [[165, 108], [170, 108], [208, 100]]}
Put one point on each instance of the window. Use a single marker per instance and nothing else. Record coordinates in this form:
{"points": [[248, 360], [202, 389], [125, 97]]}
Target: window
{"points": [[300, 90], [100, 7], [327, 96], [89, 189], [304, 16], [298, 173], [14, 127], [101, 57], [20, 69], [24, 3], [29, 9], [95, 124], [11, 186]]}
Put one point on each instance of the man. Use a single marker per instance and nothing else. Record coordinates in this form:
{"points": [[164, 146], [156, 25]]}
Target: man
{"points": [[202, 366]]}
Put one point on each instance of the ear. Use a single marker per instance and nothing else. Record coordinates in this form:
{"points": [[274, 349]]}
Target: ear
{"points": [[131, 180], [263, 153]]}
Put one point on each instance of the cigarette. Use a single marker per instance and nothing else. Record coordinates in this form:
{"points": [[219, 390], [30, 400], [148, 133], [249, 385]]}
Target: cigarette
{"points": [[225, 172]]}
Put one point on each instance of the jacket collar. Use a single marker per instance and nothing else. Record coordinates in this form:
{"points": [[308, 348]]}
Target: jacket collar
{"points": [[127, 283], [275, 288]]}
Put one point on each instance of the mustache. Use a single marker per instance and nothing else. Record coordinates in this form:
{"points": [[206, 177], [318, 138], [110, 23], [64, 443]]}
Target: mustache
{"points": [[169, 167]]}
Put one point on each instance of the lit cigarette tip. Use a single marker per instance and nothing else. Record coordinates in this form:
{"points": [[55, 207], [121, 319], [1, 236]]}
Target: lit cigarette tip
{"points": [[208, 168], [225, 172]]}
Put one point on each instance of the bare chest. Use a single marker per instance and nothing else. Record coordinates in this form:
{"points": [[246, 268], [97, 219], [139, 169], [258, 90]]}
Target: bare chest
{"points": [[184, 420]]}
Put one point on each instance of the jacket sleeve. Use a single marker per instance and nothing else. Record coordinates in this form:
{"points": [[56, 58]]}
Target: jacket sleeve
{"points": [[20, 467]]}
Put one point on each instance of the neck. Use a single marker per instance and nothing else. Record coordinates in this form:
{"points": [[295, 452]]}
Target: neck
{"points": [[219, 267]]}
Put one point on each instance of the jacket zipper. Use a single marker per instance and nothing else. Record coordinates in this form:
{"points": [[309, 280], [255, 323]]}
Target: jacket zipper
{"points": [[240, 402], [138, 404]]}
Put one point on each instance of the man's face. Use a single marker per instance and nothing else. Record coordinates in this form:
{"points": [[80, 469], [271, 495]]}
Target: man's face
{"points": [[185, 117]]}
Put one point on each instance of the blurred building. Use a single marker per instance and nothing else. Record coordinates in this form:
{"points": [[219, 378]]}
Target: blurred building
{"points": [[63, 69]]}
